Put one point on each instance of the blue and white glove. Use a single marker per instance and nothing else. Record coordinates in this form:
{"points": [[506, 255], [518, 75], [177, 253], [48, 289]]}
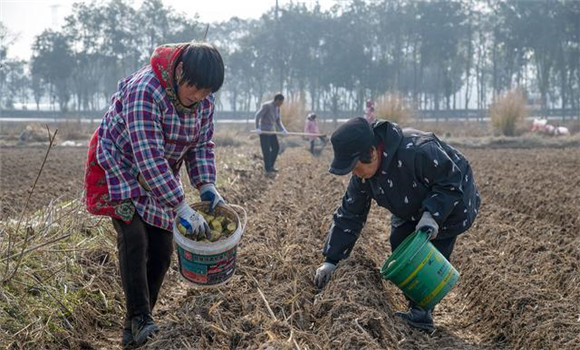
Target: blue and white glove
{"points": [[258, 131], [428, 224], [190, 222], [208, 193], [284, 131]]}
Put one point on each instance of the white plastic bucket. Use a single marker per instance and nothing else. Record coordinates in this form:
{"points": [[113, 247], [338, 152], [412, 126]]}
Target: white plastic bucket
{"points": [[210, 264]]}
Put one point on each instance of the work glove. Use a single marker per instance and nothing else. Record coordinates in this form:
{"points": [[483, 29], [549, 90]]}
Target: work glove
{"points": [[284, 131], [191, 222], [428, 224], [323, 274], [209, 194], [258, 131]]}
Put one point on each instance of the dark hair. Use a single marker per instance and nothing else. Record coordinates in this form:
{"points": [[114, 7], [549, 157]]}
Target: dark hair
{"points": [[365, 157], [278, 97], [203, 66]]}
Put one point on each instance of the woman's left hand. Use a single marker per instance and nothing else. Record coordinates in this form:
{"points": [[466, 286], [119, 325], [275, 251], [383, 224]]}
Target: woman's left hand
{"points": [[209, 193]]}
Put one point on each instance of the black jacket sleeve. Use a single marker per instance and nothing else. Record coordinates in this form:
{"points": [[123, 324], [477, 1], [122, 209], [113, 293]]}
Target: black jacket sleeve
{"points": [[438, 172], [348, 221]]}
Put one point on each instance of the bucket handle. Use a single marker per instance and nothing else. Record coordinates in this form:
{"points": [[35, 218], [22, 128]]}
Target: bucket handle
{"points": [[245, 220], [422, 245]]}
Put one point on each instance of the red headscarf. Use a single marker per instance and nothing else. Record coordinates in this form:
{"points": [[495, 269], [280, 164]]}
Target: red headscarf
{"points": [[163, 61]]}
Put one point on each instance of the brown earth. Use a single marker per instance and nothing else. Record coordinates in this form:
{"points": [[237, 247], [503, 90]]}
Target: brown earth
{"points": [[60, 179], [519, 264]]}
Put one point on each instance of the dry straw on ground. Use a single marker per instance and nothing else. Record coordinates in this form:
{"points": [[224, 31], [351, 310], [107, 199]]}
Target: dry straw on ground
{"points": [[519, 266], [66, 284], [48, 263]]}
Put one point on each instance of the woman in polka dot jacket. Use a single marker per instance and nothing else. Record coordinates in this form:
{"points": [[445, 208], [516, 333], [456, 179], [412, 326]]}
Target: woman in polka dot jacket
{"points": [[425, 184]]}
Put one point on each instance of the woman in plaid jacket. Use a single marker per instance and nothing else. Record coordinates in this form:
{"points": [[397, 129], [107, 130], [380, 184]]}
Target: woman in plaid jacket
{"points": [[159, 118]]}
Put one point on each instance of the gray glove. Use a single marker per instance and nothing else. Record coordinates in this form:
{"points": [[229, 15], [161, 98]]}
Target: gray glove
{"points": [[323, 274], [428, 224], [190, 222], [209, 193]]}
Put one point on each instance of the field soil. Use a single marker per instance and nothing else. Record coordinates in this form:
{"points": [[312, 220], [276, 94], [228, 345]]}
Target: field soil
{"points": [[519, 263]]}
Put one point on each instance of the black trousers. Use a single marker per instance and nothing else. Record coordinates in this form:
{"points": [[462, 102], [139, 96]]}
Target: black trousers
{"points": [[144, 253], [270, 150]]}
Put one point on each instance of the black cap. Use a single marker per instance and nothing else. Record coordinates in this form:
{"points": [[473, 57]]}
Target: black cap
{"points": [[349, 141]]}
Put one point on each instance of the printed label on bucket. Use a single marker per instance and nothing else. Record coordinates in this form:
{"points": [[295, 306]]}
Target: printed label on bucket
{"points": [[206, 269]]}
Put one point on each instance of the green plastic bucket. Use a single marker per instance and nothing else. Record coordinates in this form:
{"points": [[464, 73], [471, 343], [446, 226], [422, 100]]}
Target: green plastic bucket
{"points": [[420, 271], [209, 264]]}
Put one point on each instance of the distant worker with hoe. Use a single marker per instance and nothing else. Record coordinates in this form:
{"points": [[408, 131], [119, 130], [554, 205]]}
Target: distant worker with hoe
{"points": [[266, 119], [426, 184], [311, 128], [160, 117]]}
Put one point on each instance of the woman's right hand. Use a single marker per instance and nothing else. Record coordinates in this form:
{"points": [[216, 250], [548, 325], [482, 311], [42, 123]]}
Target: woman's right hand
{"points": [[191, 223]]}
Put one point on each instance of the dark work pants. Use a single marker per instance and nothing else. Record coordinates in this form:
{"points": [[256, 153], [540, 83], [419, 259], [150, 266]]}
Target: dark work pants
{"points": [[398, 235], [144, 253], [313, 143], [270, 149]]}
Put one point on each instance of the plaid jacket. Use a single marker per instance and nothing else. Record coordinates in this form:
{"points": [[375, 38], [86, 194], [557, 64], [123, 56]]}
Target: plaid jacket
{"points": [[143, 141]]}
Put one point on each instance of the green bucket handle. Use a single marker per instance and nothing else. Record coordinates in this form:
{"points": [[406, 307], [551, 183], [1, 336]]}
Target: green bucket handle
{"points": [[422, 245]]}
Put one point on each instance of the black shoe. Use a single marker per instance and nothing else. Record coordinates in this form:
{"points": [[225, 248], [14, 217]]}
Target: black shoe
{"points": [[127, 341], [273, 170], [418, 318], [143, 328]]}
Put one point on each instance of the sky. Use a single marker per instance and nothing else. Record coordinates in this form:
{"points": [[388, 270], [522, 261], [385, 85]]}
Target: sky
{"points": [[25, 19]]}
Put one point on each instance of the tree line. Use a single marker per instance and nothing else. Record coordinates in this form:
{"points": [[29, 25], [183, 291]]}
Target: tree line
{"points": [[440, 55]]}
